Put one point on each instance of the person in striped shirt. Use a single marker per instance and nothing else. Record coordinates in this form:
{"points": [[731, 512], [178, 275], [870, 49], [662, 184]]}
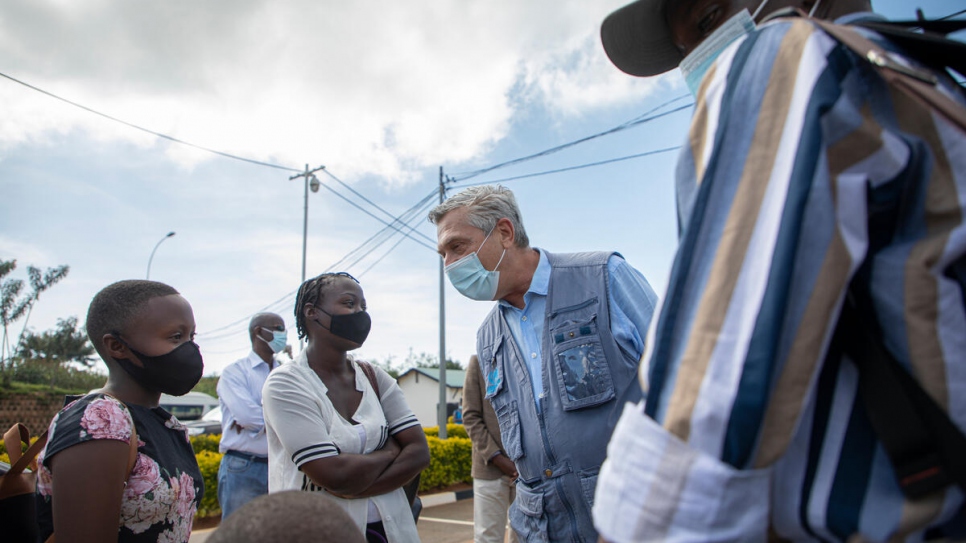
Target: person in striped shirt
{"points": [[804, 177]]}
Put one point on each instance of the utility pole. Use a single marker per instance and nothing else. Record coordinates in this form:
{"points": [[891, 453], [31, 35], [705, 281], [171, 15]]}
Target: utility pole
{"points": [[311, 181], [441, 412]]}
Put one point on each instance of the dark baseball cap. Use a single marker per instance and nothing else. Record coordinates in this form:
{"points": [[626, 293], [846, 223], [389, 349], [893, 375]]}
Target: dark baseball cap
{"points": [[637, 39]]}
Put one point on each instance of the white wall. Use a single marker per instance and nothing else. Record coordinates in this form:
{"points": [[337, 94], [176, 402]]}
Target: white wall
{"points": [[422, 395]]}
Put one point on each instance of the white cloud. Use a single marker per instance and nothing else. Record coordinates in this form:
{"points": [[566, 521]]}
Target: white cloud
{"points": [[380, 87]]}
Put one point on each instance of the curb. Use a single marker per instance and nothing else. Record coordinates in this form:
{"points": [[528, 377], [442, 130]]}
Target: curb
{"points": [[442, 498]]}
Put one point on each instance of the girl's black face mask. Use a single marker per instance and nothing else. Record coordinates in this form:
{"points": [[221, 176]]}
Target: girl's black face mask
{"points": [[353, 326], [174, 373]]}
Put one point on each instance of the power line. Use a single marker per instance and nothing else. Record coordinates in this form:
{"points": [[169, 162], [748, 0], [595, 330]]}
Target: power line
{"points": [[216, 333], [388, 236], [384, 255], [152, 132], [570, 168], [370, 202], [350, 202], [641, 119], [213, 151]]}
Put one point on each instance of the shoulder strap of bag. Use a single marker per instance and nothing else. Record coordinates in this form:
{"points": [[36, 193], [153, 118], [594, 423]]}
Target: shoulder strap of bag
{"points": [[412, 486], [930, 46], [12, 440], [926, 449], [371, 375], [918, 84]]}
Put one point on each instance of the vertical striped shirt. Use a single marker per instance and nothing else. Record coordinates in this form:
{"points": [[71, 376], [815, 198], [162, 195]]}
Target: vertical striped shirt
{"points": [[803, 173]]}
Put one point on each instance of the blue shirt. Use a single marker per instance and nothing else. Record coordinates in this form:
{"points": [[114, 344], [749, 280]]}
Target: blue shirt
{"points": [[630, 298]]}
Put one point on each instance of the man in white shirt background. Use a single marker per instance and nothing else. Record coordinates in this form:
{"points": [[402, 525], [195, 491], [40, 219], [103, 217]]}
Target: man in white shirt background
{"points": [[243, 474]]}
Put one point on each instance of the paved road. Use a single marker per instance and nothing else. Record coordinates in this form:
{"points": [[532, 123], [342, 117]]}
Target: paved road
{"points": [[448, 523]]}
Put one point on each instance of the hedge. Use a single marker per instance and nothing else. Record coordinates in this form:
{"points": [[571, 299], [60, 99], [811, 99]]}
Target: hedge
{"points": [[452, 430], [205, 442], [209, 462], [450, 461]]}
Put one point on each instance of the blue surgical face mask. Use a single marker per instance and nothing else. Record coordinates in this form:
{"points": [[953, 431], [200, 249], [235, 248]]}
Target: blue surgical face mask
{"points": [[699, 61], [278, 342], [471, 279]]}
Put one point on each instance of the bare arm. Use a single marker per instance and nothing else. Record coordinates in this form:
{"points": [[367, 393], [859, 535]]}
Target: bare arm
{"points": [[347, 475], [88, 487], [412, 459]]}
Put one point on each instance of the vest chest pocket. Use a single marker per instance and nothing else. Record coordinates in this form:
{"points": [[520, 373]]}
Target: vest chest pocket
{"points": [[583, 375]]}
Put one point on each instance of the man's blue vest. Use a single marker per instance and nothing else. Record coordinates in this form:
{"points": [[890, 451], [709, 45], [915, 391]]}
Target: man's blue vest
{"points": [[558, 451]]}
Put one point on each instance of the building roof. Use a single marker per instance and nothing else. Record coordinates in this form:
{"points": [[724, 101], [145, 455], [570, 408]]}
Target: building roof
{"points": [[454, 378]]}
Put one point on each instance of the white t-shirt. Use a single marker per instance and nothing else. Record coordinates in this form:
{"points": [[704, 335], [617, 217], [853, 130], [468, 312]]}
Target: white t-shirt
{"points": [[302, 425]]}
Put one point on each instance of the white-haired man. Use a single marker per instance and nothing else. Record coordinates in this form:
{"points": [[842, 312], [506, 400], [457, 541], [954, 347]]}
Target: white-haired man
{"points": [[813, 198], [558, 353]]}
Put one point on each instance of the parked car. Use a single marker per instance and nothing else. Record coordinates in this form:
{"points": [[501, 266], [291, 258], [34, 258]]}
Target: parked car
{"points": [[210, 423], [191, 406]]}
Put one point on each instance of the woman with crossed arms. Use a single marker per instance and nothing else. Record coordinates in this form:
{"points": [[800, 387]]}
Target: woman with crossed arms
{"points": [[328, 431]]}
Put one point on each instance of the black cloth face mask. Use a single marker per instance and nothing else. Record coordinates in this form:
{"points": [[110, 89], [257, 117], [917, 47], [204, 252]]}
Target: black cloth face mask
{"points": [[354, 326], [174, 373]]}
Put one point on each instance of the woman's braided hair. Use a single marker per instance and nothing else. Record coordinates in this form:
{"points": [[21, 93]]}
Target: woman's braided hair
{"points": [[311, 293]]}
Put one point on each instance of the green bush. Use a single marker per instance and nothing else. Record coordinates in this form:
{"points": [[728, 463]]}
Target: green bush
{"points": [[450, 461], [57, 376], [205, 442], [452, 430], [209, 462]]}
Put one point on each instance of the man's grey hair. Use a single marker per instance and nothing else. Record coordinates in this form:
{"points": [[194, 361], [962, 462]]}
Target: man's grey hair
{"points": [[486, 204]]}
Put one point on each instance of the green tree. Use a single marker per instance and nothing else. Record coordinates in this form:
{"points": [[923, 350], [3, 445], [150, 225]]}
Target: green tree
{"points": [[65, 343], [388, 366], [426, 360], [208, 385], [16, 305]]}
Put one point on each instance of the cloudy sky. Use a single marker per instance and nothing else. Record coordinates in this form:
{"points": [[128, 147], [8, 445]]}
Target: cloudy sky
{"points": [[382, 94]]}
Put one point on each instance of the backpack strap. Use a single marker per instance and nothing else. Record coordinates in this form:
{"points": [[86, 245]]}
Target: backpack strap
{"points": [[411, 487], [371, 375], [920, 85], [926, 449], [931, 46]]}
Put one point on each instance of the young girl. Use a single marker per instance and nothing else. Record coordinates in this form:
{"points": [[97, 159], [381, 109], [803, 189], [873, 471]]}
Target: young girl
{"points": [[143, 330], [327, 429]]}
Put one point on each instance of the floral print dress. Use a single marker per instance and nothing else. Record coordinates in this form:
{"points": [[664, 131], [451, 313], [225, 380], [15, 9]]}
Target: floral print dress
{"points": [[164, 488]]}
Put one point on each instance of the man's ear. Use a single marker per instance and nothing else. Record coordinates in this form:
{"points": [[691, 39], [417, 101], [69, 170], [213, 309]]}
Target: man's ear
{"points": [[504, 227]]}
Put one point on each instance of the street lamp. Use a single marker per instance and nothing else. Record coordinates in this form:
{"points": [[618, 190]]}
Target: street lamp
{"points": [[169, 234], [311, 182]]}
